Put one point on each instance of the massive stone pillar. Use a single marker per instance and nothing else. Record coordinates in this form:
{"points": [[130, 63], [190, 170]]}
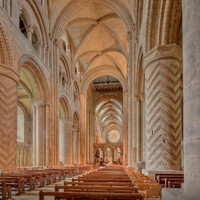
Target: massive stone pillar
{"points": [[8, 117], [83, 128], [163, 108], [62, 139], [191, 96], [68, 142]]}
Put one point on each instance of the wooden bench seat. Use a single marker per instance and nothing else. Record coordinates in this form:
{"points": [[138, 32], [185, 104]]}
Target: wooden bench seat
{"points": [[16, 183], [5, 190], [92, 195], [150, 188], [173, 182], [88, 188], [101, 180], [100, 183], [161, 177]]}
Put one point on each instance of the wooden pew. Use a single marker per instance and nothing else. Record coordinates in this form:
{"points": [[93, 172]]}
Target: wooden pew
{"points": [[101, 180], [103, 188], [160, 178], [145, 184], [173, 182], [14, 182], [5, 190], [92, 195], [120, 184]]}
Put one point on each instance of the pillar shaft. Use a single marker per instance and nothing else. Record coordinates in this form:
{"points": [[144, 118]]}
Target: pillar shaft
{"points": [[83, 128], [8, 118], [125, 126], [68, 143], [163, 108], [191, 97], [138, 110]]}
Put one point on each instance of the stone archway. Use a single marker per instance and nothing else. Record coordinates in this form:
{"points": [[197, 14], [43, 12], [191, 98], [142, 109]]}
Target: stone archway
{"points": [[33, 95]]}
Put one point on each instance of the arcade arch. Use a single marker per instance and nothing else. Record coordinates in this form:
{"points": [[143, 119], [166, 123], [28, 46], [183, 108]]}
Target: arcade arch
{"points": [[32, 98]]}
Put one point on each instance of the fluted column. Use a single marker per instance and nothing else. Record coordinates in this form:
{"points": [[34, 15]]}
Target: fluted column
{"points": [[163, 108], [29, 33], [47, 135], [138, 127], [8, 117], [191, 96], [125, 126], [39, 132]]}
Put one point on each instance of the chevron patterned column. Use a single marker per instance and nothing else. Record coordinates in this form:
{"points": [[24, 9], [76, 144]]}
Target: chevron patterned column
{"points": [[163, 108], [8, 118], [68, 143]]}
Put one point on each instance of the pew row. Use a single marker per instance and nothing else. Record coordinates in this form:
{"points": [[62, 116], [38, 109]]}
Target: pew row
{"points": [[5, 190], [91, 195], [163, 180]]}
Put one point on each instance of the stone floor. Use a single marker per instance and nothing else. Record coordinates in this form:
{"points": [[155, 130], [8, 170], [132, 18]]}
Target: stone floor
{"points": [[34, 194], [176, 194]]}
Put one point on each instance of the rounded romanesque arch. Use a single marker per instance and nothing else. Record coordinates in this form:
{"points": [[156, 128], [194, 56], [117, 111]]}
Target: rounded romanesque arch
{"points": [[33, 94], [28, 63], [102, 71]]}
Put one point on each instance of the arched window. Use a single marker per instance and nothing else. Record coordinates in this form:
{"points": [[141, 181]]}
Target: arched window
{"points": [[20, 124], [35, 41], [23, 24]]}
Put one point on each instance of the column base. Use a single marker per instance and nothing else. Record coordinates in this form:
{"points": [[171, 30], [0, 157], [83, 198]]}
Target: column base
{"points": [[177, 194], [139, 166], [151, 173]]}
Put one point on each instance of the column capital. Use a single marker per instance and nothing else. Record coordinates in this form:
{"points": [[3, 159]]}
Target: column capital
{"points": [[125, 92], [47, 102], [29, 28], [56, 43], [170, 51], [37, 102], [137, 97]]}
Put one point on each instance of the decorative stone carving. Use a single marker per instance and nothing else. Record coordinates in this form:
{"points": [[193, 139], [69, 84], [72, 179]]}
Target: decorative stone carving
{"points": [[163, 108]]}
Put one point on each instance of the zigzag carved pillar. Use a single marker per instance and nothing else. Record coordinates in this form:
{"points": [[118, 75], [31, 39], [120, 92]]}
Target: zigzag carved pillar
{"points": [[8, 117], [163, 108], [68, 142]]}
